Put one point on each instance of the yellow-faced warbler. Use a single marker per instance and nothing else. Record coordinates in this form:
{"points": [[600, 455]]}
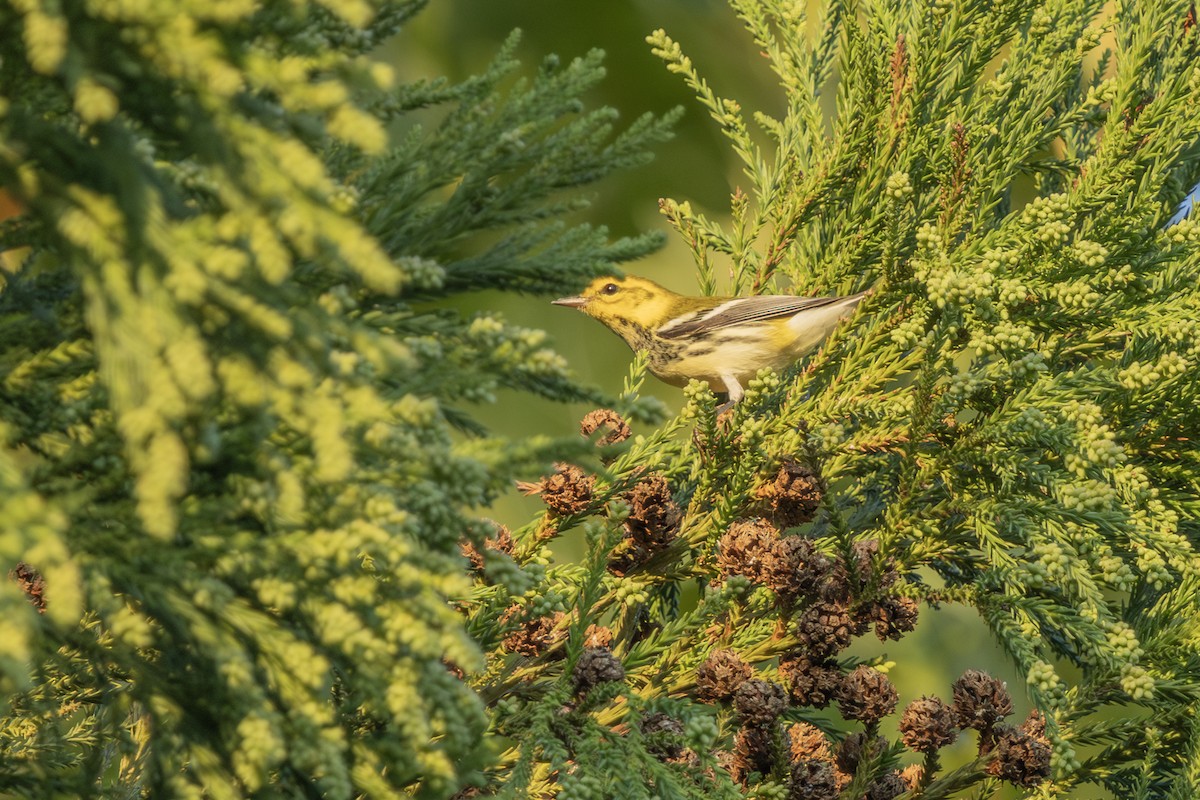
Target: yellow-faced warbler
{"points": [[724, 341]]}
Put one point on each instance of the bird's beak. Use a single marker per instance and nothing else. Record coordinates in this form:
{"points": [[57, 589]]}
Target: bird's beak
{"points": [[571, 302]]}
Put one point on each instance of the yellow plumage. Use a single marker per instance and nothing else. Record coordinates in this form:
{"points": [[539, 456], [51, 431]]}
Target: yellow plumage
{"points": [[723, 341]]}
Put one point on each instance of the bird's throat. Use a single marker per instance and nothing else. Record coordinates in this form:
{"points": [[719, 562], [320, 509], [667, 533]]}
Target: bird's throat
{"points": [[636, 336]]}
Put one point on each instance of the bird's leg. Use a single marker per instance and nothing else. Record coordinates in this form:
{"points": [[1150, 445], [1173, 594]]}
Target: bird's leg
{"points": [[733, 387], [734, 393]]}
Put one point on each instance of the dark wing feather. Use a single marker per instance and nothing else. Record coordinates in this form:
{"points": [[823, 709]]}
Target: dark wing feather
{"points": [[746, 309]]}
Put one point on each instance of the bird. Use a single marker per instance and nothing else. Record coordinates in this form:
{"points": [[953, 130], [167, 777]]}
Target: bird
{"points": [[723, 341]]}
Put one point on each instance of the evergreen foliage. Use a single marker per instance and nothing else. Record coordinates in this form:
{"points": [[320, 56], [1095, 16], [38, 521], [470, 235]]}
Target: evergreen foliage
{"points": [[1008, 424], [237, 444], [238, 454]]}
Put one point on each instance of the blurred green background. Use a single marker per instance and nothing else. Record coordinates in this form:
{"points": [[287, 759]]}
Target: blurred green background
{"points": [[458, 38]]}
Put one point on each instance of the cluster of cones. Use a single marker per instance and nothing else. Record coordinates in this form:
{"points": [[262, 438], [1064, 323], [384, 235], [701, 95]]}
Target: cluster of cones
{"points": [[654, 516], [824, 601], [817, 768]]}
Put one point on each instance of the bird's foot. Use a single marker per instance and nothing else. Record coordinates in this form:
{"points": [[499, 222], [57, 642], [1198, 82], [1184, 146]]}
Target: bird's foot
{"points": [[725, 413]]}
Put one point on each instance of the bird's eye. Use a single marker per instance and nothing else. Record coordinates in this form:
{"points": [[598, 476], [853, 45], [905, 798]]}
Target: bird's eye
{"points": [[610, 288]]}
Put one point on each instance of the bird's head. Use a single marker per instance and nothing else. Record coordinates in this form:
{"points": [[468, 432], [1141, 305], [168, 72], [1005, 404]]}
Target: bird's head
{"points": [[619, 302]]}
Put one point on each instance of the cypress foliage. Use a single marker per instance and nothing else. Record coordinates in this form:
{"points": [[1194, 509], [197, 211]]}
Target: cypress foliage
{"points": [[237, 442], [1009, 424], [236, 434]]}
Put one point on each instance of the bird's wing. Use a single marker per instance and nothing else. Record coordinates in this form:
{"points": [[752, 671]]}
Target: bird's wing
{"points": [[740, 310]]}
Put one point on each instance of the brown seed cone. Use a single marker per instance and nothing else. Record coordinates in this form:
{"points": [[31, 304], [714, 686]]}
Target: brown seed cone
{"points": [[862, 615], [980, 701], [912, 775], [618, 429], [596, 665], [867, 695], [726, 760], [796, 568], [653, 513], [1035, 725], [886, 787], [471, 554], [812, 779], [811, 684], [862, 566], [793, 496], [806, 742], [854, 748], [500, 541], [32, 583], [888, 575], [748, 548], [651, 526], [894, 617], [597, 636], [862, 557], [664, 734], [753, 751], [568, 491], [759, 702], [928, 724], [834, 585], [720, 676], [843, 780], [782, 562], [535, 636], [1019, 757], [824, 630]]}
